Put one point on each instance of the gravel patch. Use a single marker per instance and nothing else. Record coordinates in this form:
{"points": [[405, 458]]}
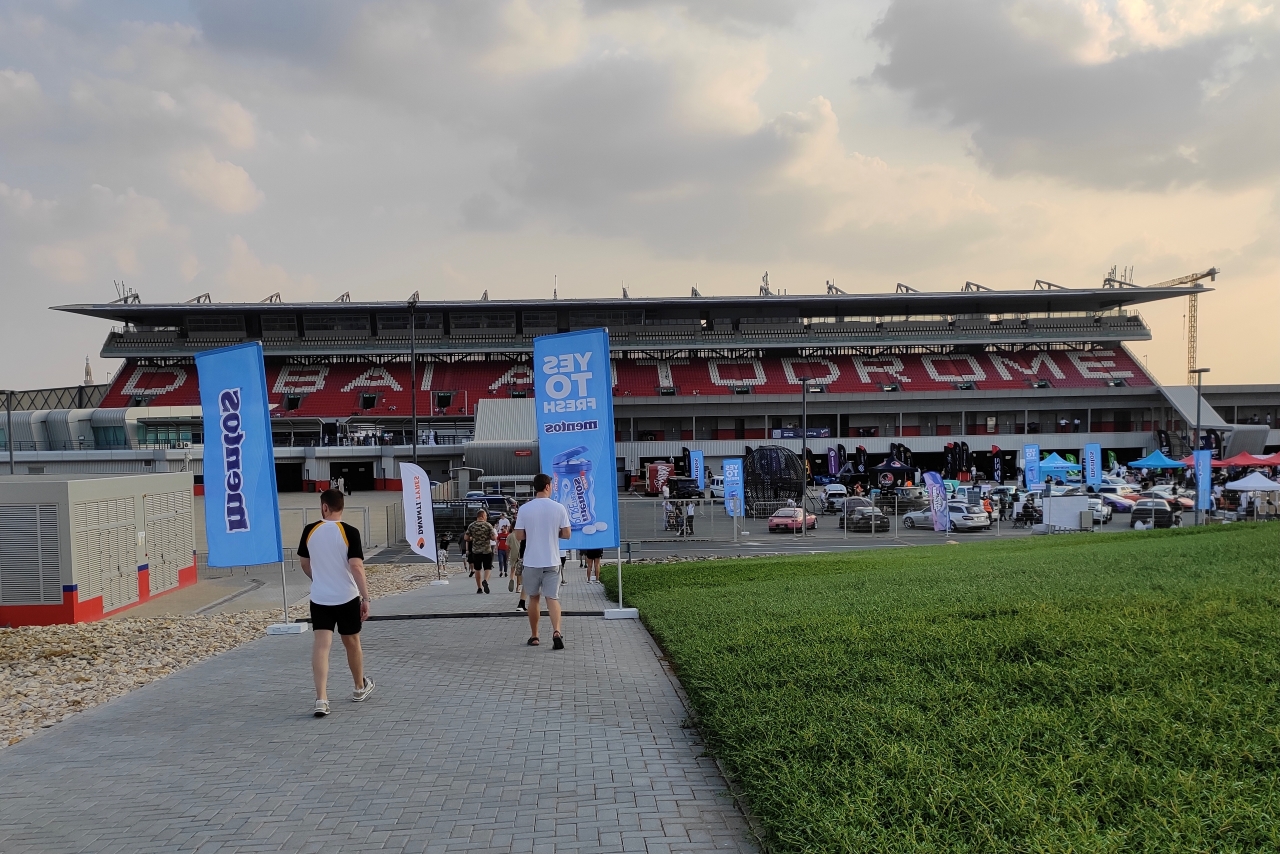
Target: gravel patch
{"points": [[48, 673]]}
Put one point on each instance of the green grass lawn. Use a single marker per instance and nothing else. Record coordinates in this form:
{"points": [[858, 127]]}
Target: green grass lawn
{"points": [[1071, 693]]}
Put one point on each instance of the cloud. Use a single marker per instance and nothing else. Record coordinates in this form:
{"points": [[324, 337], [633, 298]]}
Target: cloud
{"points": [[21, 98], [226, 117], [249, 279], [1155, 95], [221, 183]]}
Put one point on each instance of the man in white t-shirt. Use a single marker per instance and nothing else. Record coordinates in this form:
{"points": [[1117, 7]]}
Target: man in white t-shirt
{"points": [[540, 525], [333, 558]]}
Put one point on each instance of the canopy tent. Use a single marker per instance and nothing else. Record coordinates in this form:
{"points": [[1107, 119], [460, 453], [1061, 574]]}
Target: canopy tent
{"points": [[1190, 460], [1273, 460], [1243, 459], [1255, 482], [1156, 460], [1056, 463], [894, 466]]}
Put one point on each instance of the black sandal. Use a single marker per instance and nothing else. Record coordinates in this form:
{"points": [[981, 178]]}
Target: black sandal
{"points": [[557, 642], [533, 642]]}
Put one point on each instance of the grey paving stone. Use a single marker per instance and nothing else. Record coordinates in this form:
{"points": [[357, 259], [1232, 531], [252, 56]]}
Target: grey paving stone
{"points": [[472, 742]]}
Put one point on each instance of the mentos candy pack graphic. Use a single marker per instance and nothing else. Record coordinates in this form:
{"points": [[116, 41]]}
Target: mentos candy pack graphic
{"points": [[574, 401], [574, 487]]}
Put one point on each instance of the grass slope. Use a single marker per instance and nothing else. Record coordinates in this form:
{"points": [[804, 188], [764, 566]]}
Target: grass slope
{"points": [[1073, 693]]}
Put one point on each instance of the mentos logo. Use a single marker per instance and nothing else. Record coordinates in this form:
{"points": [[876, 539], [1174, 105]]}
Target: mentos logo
{"points": [[233, 507]]}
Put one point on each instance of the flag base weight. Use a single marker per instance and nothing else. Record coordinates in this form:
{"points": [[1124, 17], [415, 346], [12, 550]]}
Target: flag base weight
{"points": [[622, 614], [288, 628]]}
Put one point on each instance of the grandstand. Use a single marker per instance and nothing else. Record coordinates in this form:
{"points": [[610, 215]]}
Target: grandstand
{"points": [[991, 368]]}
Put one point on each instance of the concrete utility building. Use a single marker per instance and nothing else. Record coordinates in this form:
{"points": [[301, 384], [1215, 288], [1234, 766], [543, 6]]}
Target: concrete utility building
{"points": [[993, 369], [78, 547]]}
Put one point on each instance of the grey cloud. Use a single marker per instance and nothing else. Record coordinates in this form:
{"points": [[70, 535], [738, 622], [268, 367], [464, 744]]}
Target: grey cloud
{"points": [[297, 29], [1140, 121], [719, 12]]}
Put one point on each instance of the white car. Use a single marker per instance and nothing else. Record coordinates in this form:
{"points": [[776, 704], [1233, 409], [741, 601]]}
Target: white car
{"points": [[832, 490], [717, 486], [963, 518]]}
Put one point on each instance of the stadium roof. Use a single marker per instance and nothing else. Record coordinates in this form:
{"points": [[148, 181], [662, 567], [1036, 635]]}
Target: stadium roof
{"points": [[902, 303]]}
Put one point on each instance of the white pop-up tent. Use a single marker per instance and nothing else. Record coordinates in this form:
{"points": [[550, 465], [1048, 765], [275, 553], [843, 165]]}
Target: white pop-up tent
{"points": [[1255, 482]]}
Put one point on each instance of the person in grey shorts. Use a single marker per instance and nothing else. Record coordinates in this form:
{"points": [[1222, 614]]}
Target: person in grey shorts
{"points": [[540, 525]]}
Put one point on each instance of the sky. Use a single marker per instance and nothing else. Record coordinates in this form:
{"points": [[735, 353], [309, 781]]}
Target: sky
{"points": [[243, 148]]}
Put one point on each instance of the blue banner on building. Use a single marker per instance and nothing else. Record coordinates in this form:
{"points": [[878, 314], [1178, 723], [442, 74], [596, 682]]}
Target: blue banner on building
{"points": [[241, 510], [733, 494], [698, 469], [573, 395], [1204, 478], [1031, 465], [937, 492], [1093, 464]]}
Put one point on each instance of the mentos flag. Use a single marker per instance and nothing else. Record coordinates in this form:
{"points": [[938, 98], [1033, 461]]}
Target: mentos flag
{"points": [[833, 461], [1204, 478], [733, 496], [1031, 465], [1093, 464], [697, 468], [419, 521], [937, 491], [241, 513], [574, 400]]}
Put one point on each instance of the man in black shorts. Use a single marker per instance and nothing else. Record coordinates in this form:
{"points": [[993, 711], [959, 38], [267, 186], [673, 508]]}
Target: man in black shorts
{"points": [[480, 538], [332, 557]]}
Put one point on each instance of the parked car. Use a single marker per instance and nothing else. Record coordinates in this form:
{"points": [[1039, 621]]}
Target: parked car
{"points": [[683, 487], [1179, 501], [475, 493], [903, 499], [963, 518], [863, 516], [1101, 510], [1154, 510], [717, 486], [792, 519], [1117, 503], [833, 496]]}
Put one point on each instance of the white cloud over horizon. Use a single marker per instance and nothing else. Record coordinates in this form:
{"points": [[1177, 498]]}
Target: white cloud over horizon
{"points": [[244, 148]]}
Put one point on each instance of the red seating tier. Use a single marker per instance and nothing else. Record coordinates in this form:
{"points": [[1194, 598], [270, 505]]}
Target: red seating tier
{"points": [[454, 388]]}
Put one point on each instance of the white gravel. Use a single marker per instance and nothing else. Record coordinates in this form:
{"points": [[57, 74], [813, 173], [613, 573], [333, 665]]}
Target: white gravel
{"points": [[48, 673]]}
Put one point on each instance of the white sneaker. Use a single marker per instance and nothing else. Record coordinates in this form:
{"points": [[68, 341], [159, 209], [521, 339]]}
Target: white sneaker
{"points": [[361, 694], [322, 708]]}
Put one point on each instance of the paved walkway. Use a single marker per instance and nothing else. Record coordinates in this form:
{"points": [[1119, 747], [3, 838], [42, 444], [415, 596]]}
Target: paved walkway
{"points": [[472, 742]]}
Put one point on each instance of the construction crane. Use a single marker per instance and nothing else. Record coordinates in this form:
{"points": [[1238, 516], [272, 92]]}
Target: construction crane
{"points": [[1125, 280]]}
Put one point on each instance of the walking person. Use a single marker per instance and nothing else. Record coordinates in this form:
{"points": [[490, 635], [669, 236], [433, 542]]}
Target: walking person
{"points": [[333, 558], [593, 557], [504, 553], [541, 525], [479, 539], [688, 518], [503, 530]]}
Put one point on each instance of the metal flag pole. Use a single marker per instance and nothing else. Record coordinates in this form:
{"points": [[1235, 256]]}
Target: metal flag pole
{"points": [[413, 371], [284, 592]]}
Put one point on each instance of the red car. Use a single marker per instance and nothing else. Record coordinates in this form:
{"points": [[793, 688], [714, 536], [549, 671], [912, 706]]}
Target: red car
{"points": [[788, 519]]}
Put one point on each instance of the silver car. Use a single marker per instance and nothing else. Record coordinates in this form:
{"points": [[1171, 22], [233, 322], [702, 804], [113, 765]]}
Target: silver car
{"points": [[963, 518]]}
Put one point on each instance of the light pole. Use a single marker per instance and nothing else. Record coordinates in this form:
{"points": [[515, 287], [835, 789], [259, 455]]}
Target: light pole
{"points": [[804, 456], [1199, 372], [413, 371]]}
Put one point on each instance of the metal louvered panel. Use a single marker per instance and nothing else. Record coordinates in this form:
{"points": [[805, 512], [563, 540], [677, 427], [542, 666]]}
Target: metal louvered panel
{"points": [[169, 537], [29, 566], [104, 546]]}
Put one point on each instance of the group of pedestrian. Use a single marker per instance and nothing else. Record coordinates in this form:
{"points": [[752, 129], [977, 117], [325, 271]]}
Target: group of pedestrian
{"points": [[332, 556]]}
